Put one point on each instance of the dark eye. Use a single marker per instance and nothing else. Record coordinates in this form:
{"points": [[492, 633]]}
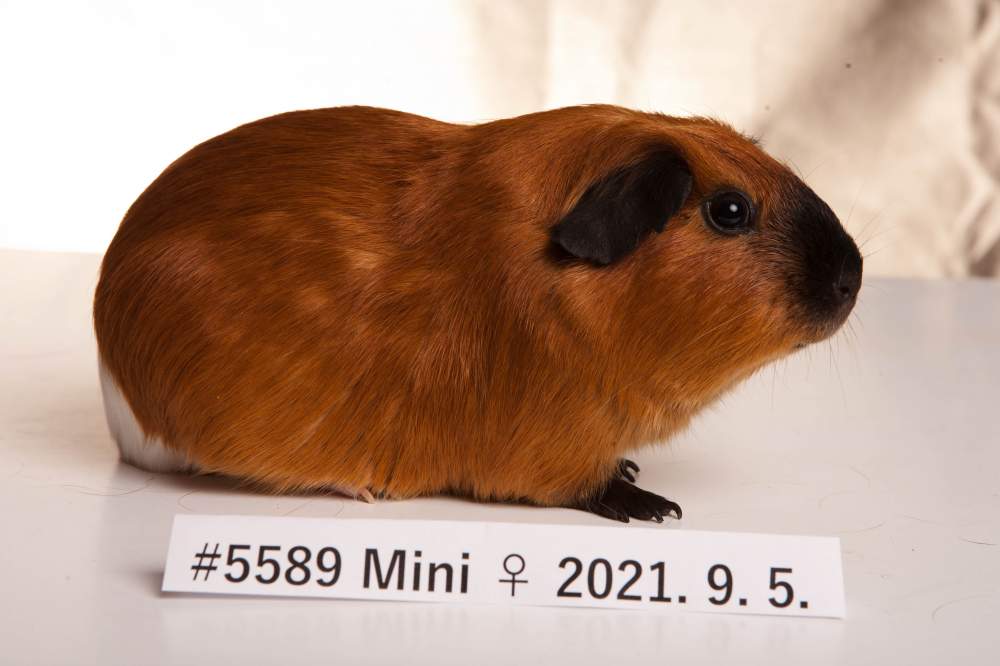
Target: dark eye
{"points": [[729, 212]]}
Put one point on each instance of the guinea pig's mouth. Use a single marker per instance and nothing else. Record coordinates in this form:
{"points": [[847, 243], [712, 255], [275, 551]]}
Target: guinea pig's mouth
{"points": [[827, 324]]}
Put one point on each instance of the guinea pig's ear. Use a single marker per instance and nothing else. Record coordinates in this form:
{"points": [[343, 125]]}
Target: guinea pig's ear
{"points": [[615, 212]]}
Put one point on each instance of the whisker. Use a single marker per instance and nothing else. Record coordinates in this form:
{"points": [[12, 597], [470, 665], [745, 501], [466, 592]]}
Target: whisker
{"points": [[867, 226], [798, 171], [877, 234], [814, 169], [852, 335], [871, 285], [854, 342], [840, 379], [857, 195], [774, 379], [873, 252]]}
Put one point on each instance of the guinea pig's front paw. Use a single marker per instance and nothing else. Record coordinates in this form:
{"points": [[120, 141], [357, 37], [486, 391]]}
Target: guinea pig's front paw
{"points": [[628, 470], [621, 500]]}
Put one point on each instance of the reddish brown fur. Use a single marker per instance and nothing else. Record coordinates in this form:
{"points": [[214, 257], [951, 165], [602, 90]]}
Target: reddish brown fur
{"points": [[361, 297]]}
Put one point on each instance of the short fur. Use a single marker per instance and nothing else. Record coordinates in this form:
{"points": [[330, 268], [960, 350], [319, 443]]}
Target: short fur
{"points": [[363, 298]]}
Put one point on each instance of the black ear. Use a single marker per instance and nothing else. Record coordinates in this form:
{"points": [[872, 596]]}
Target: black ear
{"points": [[615, 213]]}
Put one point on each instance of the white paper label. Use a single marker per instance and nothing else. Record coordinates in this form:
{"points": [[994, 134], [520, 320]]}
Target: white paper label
{"points": [[655, 569]]}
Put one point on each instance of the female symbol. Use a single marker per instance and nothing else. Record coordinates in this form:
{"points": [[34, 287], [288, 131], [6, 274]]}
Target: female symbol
{"points": [[510, 563]]}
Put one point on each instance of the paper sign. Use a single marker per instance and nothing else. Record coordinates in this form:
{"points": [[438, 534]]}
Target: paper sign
{"points": [[652, 569]]}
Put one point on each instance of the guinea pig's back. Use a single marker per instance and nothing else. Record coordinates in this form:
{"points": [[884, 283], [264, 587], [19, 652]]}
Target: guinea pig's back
{"points": [[232, 273]]}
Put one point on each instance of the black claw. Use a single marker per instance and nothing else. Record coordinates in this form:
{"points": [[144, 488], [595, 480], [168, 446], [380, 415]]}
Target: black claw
{"points": [[607, 511], [628, 470], [621, 500]]}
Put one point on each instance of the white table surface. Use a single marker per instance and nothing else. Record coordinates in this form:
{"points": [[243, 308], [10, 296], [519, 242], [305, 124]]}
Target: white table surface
{"points": [[889, 440]]}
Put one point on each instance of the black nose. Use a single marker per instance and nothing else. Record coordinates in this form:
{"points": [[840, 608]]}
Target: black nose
{"points": [[848, 282]]}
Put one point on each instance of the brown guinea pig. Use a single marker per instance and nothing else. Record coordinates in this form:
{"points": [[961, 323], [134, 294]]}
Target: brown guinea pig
{"points": [[368, 301]]}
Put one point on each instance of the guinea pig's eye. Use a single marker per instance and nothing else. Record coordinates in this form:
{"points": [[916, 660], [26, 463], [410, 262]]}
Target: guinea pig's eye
{"points": [[729, 212]]}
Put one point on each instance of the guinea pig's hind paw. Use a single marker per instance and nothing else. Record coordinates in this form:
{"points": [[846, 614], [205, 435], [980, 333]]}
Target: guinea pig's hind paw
{"points": [[621, 500], [628, 470], [361, 494]]}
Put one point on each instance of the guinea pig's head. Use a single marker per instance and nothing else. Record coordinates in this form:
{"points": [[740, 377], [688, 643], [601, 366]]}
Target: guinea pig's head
{"points": [[700, 258]]}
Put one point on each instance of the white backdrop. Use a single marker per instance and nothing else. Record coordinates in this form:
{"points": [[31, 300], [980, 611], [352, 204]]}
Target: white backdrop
{"points": [[889, 108]]}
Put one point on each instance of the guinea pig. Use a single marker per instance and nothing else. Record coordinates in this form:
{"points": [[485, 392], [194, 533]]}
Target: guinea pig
{"points": [[379, 304]]}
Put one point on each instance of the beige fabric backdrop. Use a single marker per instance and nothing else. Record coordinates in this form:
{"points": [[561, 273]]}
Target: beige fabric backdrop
{"points": [[891, 109]]}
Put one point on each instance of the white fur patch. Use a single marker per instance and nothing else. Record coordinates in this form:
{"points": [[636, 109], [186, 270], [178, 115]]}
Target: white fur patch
{"points": [[149, 453], [135, 446]]}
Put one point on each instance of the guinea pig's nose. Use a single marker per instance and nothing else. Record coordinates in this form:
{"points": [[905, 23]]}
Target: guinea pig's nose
{"points": [[848, 282]]}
